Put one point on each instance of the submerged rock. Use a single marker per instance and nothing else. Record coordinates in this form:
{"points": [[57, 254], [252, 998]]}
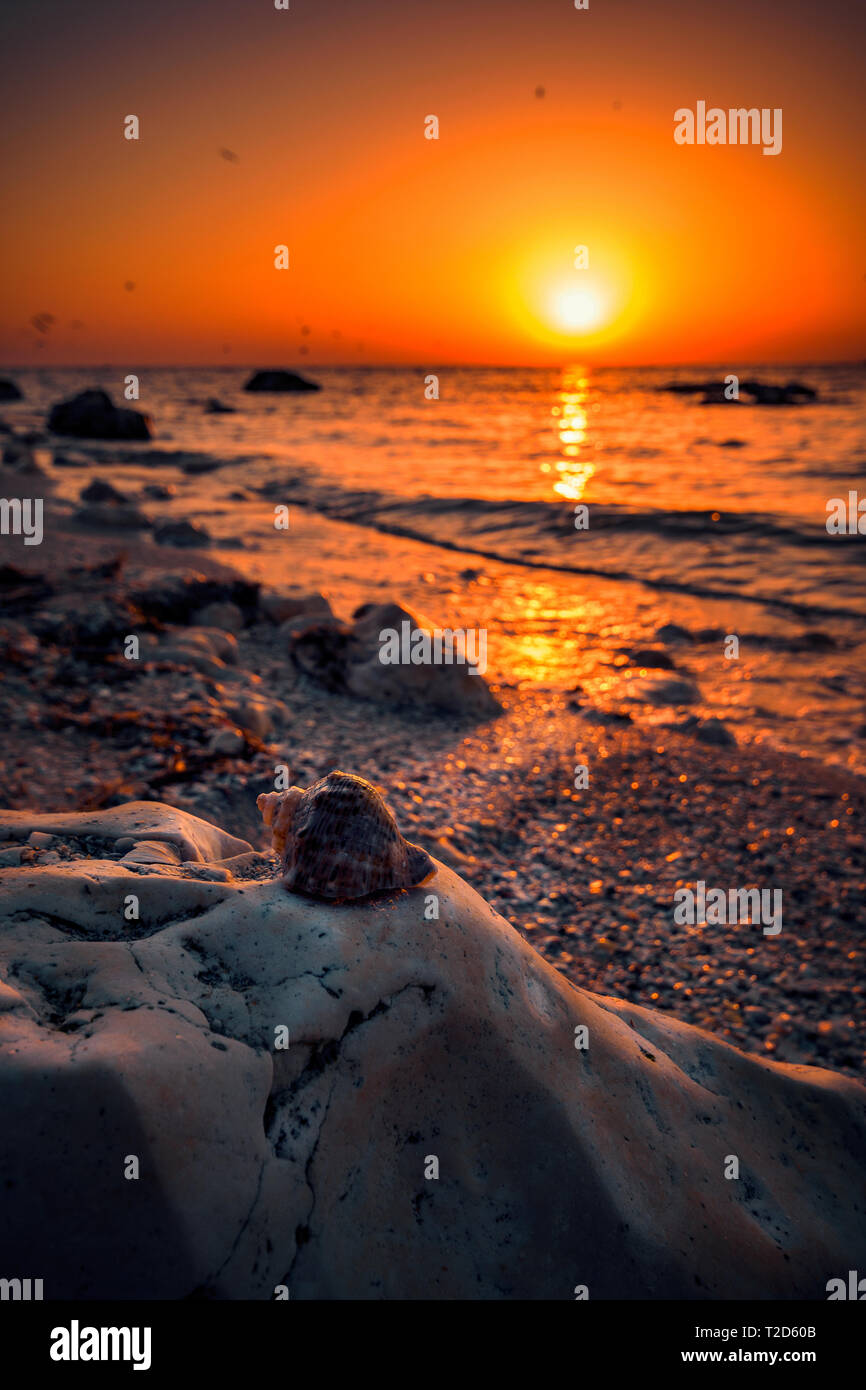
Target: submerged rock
{"points": [[669, 691], [370, 1101], [91, 415], [280, 381], [653, 658]]}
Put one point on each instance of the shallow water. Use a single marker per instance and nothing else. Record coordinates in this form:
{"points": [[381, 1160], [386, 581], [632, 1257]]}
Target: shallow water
{"points": [[712, 517]]}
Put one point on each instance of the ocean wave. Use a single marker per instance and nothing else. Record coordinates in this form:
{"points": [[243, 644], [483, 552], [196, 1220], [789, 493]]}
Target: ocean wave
{"points": [[708, 554]]}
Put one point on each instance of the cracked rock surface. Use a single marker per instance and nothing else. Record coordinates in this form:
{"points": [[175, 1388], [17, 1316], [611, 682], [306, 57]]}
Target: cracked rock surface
{"points": [[411, 1038]]}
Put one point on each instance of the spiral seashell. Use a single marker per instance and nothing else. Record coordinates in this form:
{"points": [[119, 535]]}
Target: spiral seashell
{"points": [[338, 839]]}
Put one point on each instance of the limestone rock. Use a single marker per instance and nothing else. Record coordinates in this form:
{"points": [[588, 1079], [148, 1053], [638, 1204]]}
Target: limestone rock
{"points": [[414, 1041]]}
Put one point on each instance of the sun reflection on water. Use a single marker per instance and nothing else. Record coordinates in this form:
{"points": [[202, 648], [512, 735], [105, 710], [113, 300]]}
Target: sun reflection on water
{"points": [[570, 413]]}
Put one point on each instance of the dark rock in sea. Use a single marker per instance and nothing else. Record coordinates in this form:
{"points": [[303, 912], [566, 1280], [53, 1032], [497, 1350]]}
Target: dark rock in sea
{"points": [[180, 533], [101, 491], [761, 393], [688, 388], [714, 394], [669, 692], [280, 381], [9, 391], [657, 659], [215, 407], [793, 393], [817, 641], [672, 632], [731, 443], [201, 463], [160, 492], [91, 415], [605, 717]]}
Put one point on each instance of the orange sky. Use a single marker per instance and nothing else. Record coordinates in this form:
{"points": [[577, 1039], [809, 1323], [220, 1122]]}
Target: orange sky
{"points": [[409, 250]]}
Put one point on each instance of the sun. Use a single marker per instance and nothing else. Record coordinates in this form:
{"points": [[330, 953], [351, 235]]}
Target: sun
{"points": [[578, 310]]}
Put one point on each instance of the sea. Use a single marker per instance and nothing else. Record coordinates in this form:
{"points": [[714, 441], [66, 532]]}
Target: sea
{"points": [[588, 517]]}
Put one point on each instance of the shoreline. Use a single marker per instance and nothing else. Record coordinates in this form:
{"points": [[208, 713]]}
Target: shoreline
{"points": [[593, 893]]}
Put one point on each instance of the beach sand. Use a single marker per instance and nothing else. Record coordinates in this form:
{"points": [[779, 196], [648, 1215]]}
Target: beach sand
{"points": [[588, 876]]}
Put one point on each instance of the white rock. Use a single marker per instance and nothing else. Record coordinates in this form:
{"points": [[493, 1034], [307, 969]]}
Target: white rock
{"points": [[410, 1039]]}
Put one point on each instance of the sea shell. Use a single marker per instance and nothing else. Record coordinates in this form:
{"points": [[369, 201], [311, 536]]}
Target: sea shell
{"points": [[338, 839]]}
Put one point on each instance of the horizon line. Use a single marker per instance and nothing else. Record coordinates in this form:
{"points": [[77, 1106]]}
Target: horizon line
{"points": [[428, 367]]}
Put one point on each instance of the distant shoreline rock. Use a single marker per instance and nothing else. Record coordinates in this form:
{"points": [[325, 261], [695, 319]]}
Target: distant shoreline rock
{"points": [[762, 393], [280, 381]]}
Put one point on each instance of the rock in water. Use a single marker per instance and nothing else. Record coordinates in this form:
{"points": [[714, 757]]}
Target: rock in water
{"points": [[338, 839], [91, 415], [9, 391], [280, 381], [391, 1099]]}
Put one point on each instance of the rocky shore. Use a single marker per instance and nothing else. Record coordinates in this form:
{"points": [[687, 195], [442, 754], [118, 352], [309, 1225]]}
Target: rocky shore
{"points": [[217, 700]]}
